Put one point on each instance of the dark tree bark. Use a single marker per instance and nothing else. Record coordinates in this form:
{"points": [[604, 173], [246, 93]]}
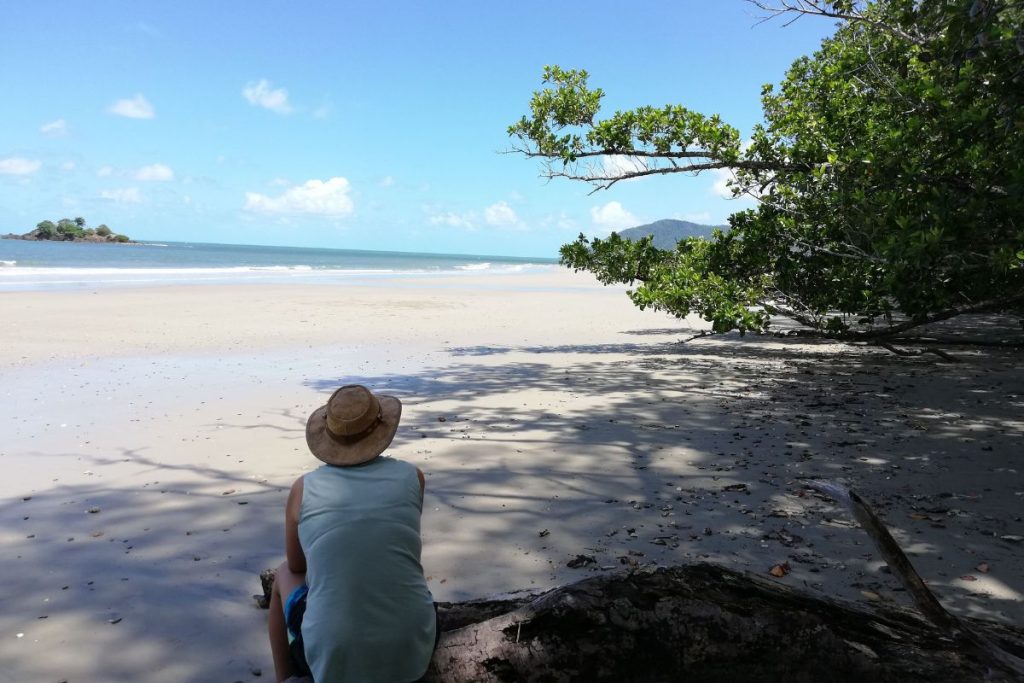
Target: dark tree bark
{"points": [[701, 623]]}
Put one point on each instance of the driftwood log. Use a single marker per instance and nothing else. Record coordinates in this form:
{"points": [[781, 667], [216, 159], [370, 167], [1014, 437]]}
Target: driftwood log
{"points": [[707, 623], [700, 623], [703, 623]]}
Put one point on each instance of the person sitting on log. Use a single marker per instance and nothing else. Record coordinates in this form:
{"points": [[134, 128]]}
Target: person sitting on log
{"points": [[350, 602]]}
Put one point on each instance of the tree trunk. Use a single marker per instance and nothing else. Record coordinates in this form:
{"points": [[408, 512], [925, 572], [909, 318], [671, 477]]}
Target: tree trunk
{"points": [[701, 623]]}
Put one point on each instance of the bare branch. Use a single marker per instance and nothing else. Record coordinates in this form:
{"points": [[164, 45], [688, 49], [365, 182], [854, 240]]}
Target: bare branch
{"points": [[817, 8], [919, 352], [980, 307], [855, 253], [603, 181], [806, 318], [959, 629], [682, 154]]}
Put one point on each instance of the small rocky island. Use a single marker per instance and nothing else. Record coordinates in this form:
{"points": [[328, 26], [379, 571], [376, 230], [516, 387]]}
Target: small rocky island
{"points": [[70, 230]]}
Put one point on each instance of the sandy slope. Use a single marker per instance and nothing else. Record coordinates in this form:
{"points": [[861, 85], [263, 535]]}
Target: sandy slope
{"points": [[150, 434]]}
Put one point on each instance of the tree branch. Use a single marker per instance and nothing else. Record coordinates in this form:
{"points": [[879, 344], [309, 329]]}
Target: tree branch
{"points": [[774, 309], [603, 182], [919, 352], [856, 253], [923, 598], [980, 307], [816, 8]]}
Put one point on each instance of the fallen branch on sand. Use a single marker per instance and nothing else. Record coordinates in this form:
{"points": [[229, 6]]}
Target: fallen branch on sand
{"points": [[699, 335], [959, 630], [918, 352], [704, 622]]}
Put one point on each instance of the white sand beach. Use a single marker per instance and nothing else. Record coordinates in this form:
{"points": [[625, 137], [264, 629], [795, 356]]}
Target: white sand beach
{"points": [[150, 434]]}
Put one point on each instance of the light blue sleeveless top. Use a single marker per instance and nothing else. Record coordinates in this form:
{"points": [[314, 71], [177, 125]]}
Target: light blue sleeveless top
{"points": [[369, 614]]}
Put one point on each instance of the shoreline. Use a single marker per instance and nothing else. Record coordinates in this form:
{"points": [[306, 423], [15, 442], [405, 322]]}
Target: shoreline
{"points": [[16, 280], [177, 413]]}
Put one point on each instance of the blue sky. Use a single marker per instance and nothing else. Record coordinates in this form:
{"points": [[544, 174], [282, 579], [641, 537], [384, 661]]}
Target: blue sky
{"points": [[354, 125]]}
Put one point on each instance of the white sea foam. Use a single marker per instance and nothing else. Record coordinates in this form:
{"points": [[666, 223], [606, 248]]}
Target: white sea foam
{"points": [[280, 269], [34, 277], [501, 267], [169, 272], [63, 277]]}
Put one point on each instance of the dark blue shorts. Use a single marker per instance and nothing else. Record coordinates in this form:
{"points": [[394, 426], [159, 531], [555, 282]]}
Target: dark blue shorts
{"points": [[295, 609]]}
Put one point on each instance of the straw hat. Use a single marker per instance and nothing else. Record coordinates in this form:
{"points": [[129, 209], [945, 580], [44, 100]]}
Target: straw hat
{"points": [[354, 427]]}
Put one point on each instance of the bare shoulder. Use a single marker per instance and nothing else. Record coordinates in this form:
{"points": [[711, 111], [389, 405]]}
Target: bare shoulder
{"points": [[419, 474], [294, 504]]}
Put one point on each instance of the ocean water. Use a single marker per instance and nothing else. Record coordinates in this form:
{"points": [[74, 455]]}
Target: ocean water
{"points": [[69, 265]]}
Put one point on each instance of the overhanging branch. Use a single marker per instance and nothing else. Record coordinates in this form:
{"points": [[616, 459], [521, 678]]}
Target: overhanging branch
{"points": [[819, 9], [979, 307]]}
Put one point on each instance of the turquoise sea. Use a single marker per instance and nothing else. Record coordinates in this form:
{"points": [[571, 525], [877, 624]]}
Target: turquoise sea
{"points": [[68, 265]]}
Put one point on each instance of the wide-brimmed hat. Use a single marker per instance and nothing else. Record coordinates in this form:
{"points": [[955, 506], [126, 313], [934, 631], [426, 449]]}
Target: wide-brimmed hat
{"points": [[354, 427]]}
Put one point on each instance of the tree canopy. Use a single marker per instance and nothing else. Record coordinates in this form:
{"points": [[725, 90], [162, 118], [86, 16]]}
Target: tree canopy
{"points": [[889, 174]]}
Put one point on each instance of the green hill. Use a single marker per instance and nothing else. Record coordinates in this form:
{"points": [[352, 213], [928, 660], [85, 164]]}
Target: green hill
{"points": [[668, 231]]}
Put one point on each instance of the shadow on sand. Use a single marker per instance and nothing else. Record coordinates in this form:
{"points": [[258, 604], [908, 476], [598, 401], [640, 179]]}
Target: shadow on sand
{"points": [[626, 454]]}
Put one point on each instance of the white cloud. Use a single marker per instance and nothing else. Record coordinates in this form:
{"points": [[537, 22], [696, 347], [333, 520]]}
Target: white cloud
{"points": [[720, 187], [105, 171], [612, 216], [560, 220], [453, 219], [67, 166], [321, 112], [387, 181], [19, 166], [155, 172], [319, 197], [617, 165], [280, 182], [54, 129], [564, 222], [124, 195], [500, 213], [261, 94], [137, 107]]}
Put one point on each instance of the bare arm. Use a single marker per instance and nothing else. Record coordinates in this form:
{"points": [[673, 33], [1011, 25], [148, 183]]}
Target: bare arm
{"points": [[423, 485], [293, 549]]}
